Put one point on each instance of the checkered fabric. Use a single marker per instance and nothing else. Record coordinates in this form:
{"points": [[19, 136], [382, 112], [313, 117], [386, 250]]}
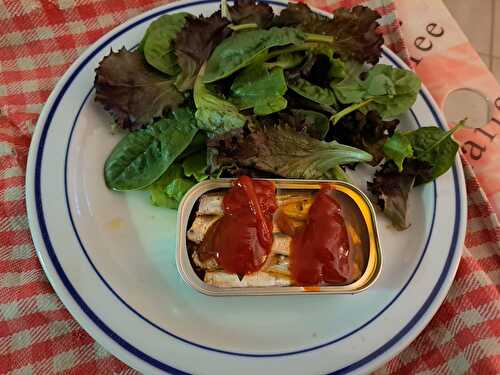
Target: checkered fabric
{"points": [[38, 42]]}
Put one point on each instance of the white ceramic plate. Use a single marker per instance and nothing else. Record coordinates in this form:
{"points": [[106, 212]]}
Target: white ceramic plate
{"points": [[111, 256]]}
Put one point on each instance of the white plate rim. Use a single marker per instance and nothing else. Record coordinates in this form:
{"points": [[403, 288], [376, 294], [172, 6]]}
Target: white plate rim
{"points": [[111, 340]]}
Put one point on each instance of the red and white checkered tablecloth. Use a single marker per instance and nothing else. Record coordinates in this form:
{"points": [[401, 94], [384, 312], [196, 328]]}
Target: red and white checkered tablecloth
{"points": [[39, 39]]}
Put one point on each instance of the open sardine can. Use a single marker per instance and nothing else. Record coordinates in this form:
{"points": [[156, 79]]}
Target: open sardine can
{"points": [[202, 206]]}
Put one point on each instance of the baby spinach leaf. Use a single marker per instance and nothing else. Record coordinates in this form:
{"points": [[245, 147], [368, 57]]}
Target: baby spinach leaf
{"points": [[196, 165], [283, 151], [197, 144], [194, 44], [241, 49], [393, 90], [398, 148], [387, 90], [158, 44], [217, 116], [337, 68], [299, 102], [214, 114], [259, 88], [286, 60], [318, 94], [134, 92], [349, 90], [141, 157], [273, 104], [440, 156], [143, 41], [427, 144]]}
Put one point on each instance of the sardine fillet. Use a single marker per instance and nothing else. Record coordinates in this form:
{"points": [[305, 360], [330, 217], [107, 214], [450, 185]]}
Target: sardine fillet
{"points": [[210, 264], [281, 244], [211, 204], [258, 279], [200, 227]]}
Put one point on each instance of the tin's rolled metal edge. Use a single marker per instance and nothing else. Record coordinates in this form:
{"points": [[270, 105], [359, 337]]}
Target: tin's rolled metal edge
{"points": [[369, 276]]}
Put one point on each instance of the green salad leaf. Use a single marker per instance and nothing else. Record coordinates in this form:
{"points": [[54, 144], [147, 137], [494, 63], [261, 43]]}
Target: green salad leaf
{"points": [[178, 188], [286, 60], [141, 157], [387, 90], [283, 151], [197, 144], [398, 148], [337, 173], [434, 146], [393, 90], [158, 43], [259, 88], [337, 68], [428, 144], [169, 189], [134, 92], [143, 41], [241, 49], [214, 114], [315, 93], [299, 102], [196, 165], [413, 158], [349, 89], [246, 91], [158, 197]]}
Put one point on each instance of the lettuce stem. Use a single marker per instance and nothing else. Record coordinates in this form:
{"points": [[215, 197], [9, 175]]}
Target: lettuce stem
{"points": [[224, 10], [319, 38], [244, 26], [336, 117]]}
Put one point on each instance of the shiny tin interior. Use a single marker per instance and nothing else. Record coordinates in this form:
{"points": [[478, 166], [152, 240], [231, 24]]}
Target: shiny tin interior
{"points": [[357, 210]]}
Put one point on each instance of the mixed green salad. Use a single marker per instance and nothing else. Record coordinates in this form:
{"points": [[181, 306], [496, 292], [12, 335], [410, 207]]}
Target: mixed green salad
{"points": [[247, 91]]}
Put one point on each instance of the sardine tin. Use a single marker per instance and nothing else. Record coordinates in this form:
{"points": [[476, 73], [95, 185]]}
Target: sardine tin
{"points": [[361, 208]]}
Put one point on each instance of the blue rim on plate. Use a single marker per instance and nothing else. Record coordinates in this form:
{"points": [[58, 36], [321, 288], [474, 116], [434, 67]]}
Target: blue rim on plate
{"points": [[159, 364]]}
